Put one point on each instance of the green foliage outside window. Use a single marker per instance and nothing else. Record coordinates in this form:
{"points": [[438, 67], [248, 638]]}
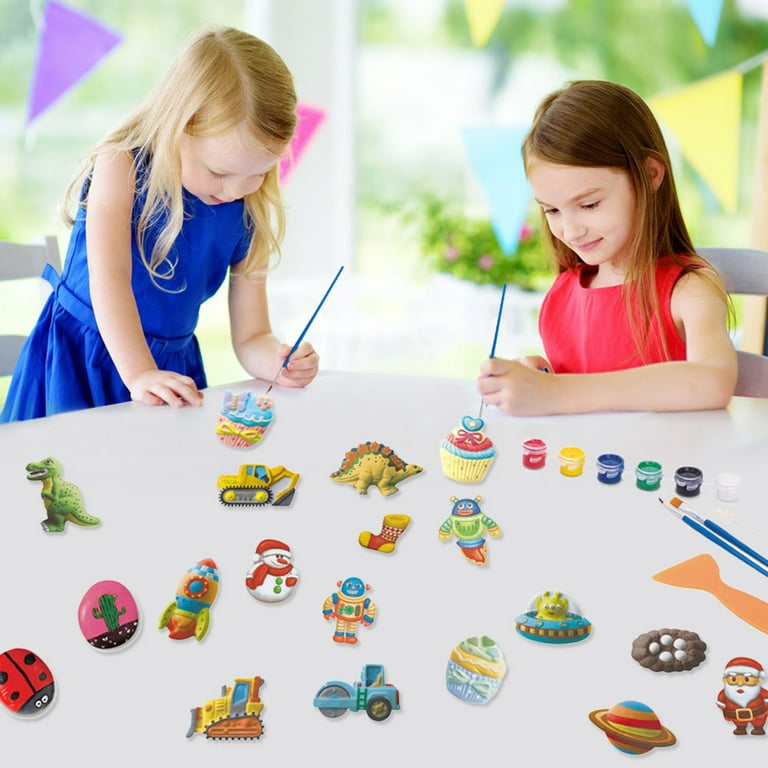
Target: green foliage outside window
{"points": [[468, 249]]}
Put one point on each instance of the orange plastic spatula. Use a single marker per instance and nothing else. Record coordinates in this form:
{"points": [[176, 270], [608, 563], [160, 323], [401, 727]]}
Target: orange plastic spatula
{"points": [[702, 572]]}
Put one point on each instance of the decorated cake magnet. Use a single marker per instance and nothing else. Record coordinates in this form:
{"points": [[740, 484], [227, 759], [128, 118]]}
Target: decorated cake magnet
{"points": [[351, 608], [669, 650], [466, 453], [256, 485], [108, 615], [189, 614], [632, 727], [476, 669], [62, 499], [742, 697], [392, 528], [374, 463], [272, 579], [553, 617], [371, 693], [235, 715], [26, 683], [469, 525], [244, 418]]}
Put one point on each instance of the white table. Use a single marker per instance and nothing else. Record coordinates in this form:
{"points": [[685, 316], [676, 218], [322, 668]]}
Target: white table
{"points": [[150, 474]]}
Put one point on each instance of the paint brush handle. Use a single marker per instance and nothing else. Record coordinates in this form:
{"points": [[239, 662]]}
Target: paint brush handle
{"points": [[736, 542], [722, 544], [304, 332], [311, 319]]}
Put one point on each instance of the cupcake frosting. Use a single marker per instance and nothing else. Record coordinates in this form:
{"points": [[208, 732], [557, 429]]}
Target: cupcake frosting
{"points": [[468, 441]]}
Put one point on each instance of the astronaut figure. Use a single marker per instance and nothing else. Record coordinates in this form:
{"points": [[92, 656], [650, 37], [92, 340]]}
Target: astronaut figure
{"points": [[351, 608]]}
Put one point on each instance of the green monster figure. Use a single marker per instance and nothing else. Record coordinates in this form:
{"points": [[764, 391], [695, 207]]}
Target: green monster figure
{"points": [[107, 611], [61, 498], [552, 606], [468, 524]]}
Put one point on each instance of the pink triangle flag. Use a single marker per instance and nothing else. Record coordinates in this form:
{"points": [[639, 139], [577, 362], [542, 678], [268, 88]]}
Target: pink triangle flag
{"points": [[70, 46], [308, 120]]}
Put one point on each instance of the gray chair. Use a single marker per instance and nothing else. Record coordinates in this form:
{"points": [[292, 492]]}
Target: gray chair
{"points": [[18, 261], [744, 271]]}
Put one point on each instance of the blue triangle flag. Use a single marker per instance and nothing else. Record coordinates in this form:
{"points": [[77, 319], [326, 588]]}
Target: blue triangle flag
{"points": [[706, 15], [494, 152]]}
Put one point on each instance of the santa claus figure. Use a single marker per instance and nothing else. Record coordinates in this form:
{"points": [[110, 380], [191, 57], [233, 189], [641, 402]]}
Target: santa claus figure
{"points": [[743, 700], [272, 578]]}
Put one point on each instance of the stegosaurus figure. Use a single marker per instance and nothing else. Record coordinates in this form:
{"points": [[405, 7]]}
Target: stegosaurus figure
{"points": [[374, 463], [62, 499]]}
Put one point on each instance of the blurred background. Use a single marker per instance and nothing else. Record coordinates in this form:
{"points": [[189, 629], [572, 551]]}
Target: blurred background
{"points": [[387, 186]]}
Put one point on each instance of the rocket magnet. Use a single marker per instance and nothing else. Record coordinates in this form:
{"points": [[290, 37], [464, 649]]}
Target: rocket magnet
{"points": [[190, 612]]}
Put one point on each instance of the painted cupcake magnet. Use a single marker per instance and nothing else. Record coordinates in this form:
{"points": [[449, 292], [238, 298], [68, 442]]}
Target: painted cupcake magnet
{"points": [[244, 419], [108, 616], [476, 669], [466, 453], [553, 617]]}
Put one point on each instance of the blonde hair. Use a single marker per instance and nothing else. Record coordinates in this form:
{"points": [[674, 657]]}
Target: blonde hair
{"points": [[220, 79], [599, 124]]}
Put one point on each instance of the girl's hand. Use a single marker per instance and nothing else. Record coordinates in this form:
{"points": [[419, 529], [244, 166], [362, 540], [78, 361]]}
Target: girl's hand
{"points": [[301, 368], [156, 387], [519, 387]]}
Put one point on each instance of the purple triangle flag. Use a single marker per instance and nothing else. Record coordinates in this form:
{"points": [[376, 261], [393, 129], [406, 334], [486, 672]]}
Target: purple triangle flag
{"points": [[70, 46], [494, 152]]}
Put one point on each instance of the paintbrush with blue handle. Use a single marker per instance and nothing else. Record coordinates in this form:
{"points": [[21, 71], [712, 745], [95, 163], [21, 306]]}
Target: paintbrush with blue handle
{"points": [[304, 332]]}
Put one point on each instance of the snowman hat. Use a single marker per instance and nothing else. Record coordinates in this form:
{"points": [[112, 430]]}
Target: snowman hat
{"points": [[272, 547], [741, 665]]}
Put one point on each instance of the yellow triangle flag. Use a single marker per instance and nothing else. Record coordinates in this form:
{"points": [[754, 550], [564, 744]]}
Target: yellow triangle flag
{"points": [[706, 119], [482, 16]]}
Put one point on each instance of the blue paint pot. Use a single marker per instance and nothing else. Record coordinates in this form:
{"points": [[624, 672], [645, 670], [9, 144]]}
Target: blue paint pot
{"points": [[609, 468], [688, 481]]}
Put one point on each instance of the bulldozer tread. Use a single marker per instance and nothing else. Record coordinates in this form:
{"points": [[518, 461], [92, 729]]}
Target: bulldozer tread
{"points": [[240, 727], [244, 496]]}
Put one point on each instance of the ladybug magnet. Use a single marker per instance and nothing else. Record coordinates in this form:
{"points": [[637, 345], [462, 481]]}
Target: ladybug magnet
{"points": [[26, 682]]}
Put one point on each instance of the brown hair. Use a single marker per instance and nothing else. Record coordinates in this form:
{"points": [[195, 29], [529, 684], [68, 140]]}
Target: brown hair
{"points": [[220, 79], [595, 123]]}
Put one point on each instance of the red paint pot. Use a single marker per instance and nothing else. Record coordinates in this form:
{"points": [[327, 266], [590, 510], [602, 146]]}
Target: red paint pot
{"points": [[534, 454]]}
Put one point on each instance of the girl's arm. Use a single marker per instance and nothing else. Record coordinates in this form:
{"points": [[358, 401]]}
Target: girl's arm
{"points": [[705, 380], [108, 232], [259, 351]]}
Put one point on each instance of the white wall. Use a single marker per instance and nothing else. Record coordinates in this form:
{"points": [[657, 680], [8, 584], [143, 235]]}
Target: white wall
{"points": [[318, 42]]}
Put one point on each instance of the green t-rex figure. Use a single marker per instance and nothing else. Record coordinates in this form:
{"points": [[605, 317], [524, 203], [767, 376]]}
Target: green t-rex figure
{"points": [[61, 498]]}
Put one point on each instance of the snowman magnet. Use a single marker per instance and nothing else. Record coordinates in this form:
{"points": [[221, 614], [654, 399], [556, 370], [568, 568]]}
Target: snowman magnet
{"points": [[272, 578]]}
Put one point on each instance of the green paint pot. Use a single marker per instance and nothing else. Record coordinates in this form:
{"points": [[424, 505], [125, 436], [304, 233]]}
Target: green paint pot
{"points": [[648, 475]]}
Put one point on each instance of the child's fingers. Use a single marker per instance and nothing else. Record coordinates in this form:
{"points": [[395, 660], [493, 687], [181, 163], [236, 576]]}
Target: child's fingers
{"points": [[158, 387]]}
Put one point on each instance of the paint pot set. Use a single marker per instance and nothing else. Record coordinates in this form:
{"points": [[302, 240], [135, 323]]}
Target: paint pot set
{"points": [[610, 468]]}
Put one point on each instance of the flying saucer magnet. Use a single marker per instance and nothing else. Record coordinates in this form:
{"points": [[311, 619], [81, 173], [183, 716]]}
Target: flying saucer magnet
{"points": [[553, 617]]}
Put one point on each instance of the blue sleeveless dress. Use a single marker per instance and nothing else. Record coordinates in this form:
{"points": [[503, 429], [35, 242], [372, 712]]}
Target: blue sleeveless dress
{"points": [[64, 365]]}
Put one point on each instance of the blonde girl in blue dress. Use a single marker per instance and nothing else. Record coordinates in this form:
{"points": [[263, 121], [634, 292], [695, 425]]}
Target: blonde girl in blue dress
{"points": [[183, 192]]}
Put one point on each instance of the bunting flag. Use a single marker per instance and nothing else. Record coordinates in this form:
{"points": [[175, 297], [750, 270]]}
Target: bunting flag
{"points": [[706, 15], [705, 118], [71, 44], [494, 152], [482, 17], [308, 120]]}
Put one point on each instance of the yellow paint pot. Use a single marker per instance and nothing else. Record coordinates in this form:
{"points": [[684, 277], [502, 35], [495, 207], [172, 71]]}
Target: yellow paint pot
{"points": [[571, 461]]}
